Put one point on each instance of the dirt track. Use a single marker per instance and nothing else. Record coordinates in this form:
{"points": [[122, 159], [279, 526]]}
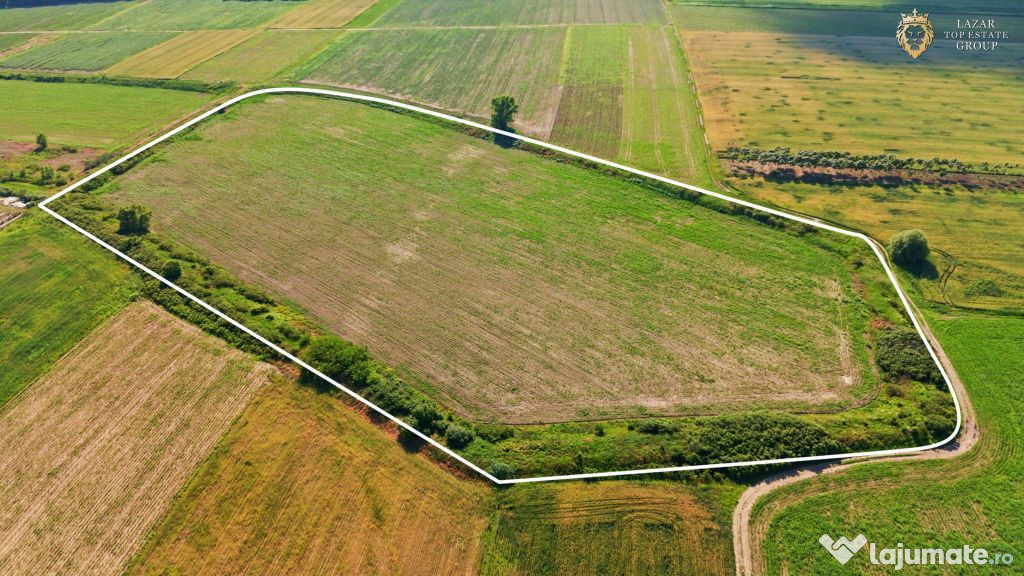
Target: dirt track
{"points": [[747, 541]]}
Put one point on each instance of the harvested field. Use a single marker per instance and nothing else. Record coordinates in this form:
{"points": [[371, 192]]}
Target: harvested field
{"points": [[459, 70], [323, 14], [175, 57], [11, 42], [266, 55], [55, 287], [573, 529], [501, 12], [105, 116], [197, 15], [86, 52], [824, 95], [564, 289], [96, 449], [303, 484]]}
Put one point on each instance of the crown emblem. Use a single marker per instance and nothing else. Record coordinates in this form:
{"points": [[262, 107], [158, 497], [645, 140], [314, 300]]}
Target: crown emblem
{"points": [[915, 18]]}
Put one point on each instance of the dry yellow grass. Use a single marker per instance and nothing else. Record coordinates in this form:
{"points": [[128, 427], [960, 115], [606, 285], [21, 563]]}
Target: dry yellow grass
{"points": [[323, 14], [303, 484], [94, 451], [180, 54]]}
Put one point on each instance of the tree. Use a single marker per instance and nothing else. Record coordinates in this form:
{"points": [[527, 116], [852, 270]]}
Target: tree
{"points": [[133, 221], [171, 270], [908, 248], [503, 111], [500, 470], [41, 142]]}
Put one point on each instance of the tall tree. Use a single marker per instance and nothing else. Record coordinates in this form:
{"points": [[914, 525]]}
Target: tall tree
{"points": [[503, 112]]}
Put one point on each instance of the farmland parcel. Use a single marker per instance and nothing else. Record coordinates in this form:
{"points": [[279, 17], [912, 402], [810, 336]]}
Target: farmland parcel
{"points": [[94, 451], [567, 292]]}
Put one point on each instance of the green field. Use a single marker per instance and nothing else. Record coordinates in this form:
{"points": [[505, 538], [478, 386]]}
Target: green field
{"points": [[458, 70], [197, 15], [105, 116], [525, 12], [62, 17], [563, 249], [55, 287], [180, 54], [634, 528], [86, 52], [974, 499], [11, 41], [265, 56]]}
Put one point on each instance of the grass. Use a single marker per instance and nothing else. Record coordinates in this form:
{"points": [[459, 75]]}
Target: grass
{"points": [[973, 499], [433, 67], [95, 451], [500, 12], [563, 249], [55, 287], [823, 93], [267, 55], [303, 484], [323, 14], [9, 42], [634, 528], [105, 116], [85, 52], [197, 15], [63, 17], [180, 54]]}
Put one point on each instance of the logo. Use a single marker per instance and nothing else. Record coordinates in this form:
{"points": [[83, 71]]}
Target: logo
{"points": [[915, 33], [842, 549]]}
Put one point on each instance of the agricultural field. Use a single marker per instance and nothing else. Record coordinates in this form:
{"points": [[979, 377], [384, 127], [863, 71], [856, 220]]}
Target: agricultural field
{"points": [[180, 54], [105, 116], [10, 42], [96, 449], [55, 287], [303, 484], [265, 56], [454, 69], [62, 17], [975, 498], [323, 14], [85, 52], [634, 528], [197, 15], [821, 93], [625, 97], [545, 251], [528, 12]]}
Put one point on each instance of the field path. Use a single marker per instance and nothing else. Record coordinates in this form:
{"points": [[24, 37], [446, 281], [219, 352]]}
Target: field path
{"points": [[748, 540]]}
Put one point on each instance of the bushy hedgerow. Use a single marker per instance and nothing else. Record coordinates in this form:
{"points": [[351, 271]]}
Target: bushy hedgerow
{"points": [[900, 353]]}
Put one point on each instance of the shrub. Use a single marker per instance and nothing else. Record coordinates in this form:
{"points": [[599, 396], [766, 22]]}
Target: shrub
{"points": [[133, 221], [656, 427], [908, 248], [899, 353], [171, 270], [41, 142], [343, 361], [494, 433], [500, 470], [457, 436]]}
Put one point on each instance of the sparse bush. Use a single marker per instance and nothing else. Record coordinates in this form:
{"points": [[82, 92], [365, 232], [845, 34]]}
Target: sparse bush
{"points": [[899, 353]]}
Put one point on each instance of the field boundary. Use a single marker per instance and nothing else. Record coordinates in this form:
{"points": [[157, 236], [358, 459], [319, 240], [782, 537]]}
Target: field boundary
{"points": [[394, 104]]}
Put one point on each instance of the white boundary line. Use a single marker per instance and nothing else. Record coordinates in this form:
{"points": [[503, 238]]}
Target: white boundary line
{"points": [[431, 441]]}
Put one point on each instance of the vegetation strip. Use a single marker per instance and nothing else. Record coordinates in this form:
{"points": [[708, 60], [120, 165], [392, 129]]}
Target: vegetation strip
{"points": [[572, 153]]}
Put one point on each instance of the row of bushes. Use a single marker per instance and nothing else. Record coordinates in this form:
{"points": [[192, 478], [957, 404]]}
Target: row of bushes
{"points": [[846, 160], [170, 84]]}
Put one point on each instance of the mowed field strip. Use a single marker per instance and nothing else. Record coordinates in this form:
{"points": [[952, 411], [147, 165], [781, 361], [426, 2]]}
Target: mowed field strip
{"points": [[94, 451], [180, 54], [810, 222]]}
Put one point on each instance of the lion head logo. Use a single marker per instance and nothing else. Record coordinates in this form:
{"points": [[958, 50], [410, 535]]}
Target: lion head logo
{"points": [[915, 33]]}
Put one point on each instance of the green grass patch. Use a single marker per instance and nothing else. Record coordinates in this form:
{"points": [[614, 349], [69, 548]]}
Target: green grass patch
{"points": [[63, 17], [55, 287], [9, 41], [197, 15], [105, 116], [88, 52]]}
